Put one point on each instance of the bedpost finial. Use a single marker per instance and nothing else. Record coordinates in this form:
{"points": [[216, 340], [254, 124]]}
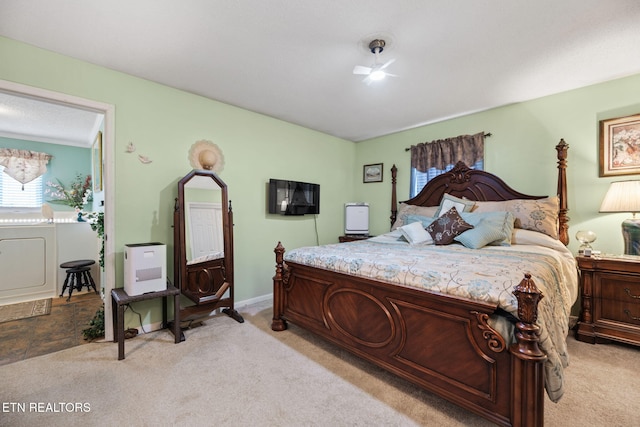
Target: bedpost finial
{"points": [[528, 296], [527, 332], [279, 249], [562, 148]]}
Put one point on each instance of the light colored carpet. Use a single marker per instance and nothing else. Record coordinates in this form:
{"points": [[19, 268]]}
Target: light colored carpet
{"points": [[227, 373], [22, 310]]}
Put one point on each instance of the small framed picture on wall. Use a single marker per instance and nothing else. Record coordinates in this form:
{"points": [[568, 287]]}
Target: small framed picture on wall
{"points": [[372, 173], [620, 146]]}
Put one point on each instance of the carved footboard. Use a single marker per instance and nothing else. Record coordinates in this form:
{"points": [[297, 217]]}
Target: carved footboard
{"points": [[440, 343]]}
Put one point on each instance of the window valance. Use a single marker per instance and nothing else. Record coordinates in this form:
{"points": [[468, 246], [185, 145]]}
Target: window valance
{"points": [[443, 152], [23, 165]]}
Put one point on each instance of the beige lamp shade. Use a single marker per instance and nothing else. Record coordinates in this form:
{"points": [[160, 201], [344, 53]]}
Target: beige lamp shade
{"points": [[623, 196]]}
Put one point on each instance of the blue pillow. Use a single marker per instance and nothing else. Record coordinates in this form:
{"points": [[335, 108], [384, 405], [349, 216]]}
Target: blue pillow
{"points": [[490, 228], [425, 220]]}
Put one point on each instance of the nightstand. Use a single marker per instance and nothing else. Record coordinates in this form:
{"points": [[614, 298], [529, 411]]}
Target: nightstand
{"points": [[610, 293], [352, 237]]}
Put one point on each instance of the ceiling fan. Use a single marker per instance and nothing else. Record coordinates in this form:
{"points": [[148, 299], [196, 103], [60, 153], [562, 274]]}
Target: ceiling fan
{"points": [[377, 70]]}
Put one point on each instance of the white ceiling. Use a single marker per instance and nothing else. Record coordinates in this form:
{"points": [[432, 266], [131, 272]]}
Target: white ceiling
{"points": [[293, 59], [37, 120]]}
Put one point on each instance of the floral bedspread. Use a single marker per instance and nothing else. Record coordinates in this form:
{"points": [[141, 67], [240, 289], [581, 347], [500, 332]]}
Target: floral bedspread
{"points": [[488, 274]]}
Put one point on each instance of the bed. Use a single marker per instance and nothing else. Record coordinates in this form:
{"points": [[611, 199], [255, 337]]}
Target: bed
{"points": [[482, 325]]}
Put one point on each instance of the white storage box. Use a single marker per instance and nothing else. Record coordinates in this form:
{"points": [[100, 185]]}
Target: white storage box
{"points": [[145, 268]]}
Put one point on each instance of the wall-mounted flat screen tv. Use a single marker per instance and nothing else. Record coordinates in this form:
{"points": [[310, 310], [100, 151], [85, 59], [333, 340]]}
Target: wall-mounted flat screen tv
{"points": [[293, 197]]}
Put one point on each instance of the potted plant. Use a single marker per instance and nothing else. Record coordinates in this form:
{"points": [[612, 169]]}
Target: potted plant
{"points": [[96, 325], [96, 222], [77, 195]]}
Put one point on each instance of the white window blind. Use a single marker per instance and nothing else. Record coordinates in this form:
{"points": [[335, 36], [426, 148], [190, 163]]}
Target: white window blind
{"points": [[12, 193], [420, 179]]}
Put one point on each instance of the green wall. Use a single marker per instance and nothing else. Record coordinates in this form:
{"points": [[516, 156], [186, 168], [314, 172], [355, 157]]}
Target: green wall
{"points": [[521, 151], [66, 163], [163, 123]]}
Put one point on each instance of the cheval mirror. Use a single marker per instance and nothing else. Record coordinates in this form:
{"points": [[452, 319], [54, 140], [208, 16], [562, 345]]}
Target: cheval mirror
{"points": [[203, 245]]}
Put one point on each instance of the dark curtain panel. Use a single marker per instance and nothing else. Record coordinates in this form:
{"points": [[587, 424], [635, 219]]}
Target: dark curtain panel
{"points": [[443, 152]]}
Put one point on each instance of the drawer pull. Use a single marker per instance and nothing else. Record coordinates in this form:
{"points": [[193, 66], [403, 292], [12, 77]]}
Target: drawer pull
{"points": [[628, 291], [628, 313]]}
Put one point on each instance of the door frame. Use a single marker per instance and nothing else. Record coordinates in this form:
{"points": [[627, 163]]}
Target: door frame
{"points": [[108, 149]]}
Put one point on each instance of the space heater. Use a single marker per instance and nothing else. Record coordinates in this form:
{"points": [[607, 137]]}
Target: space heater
{"points": [[356, 219], [145, 268]]}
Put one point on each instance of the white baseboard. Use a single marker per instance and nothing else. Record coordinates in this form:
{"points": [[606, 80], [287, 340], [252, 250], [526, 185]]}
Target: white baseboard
{"points": [[255, 300]]}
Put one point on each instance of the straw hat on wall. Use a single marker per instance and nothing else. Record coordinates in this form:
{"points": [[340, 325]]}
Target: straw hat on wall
{"points": [[206, 155]]}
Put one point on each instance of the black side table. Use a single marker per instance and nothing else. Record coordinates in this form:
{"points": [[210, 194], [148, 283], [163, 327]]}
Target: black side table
{"points": [[120, 299]]}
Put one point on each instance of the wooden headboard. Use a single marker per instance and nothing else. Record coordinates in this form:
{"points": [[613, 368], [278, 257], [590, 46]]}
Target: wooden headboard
{"points": [[483, 186]]}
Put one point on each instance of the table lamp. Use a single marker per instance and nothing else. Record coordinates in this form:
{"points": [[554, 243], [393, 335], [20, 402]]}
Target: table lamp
{"points": [[624, 196]]}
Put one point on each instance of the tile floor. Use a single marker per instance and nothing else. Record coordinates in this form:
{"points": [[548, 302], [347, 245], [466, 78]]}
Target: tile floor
{"points": [[62, 328]]}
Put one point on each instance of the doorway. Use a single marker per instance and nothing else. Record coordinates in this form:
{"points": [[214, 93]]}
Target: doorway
{"points": [[108, 139]]}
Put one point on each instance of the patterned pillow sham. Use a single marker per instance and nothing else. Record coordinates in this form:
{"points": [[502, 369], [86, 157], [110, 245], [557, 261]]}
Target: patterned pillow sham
{"points": [[405, 209], [445, 228], [537, 215]]}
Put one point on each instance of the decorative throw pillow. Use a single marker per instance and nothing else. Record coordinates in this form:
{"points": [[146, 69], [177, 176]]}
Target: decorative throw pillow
{"points": [[448, 201], [537, 215], [405, 209], [490, 229], [447, 226], [415, 233]]}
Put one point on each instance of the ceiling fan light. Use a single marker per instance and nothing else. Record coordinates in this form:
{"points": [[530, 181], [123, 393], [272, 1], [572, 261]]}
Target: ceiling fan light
{"points": [[377, 75]]}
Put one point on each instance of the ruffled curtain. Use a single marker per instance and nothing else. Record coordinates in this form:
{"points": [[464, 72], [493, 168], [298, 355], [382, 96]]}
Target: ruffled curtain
{"points": [[441, 153], [23, 165]]}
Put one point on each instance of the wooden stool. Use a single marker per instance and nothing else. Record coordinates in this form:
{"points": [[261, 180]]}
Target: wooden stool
{"points": [[78, 276]]}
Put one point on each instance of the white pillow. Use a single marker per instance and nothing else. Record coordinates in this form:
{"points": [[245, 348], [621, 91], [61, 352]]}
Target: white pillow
{"points": [[448, 201], [415, 233]]}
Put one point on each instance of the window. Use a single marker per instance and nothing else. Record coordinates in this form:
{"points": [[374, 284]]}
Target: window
{"points": [[12, 193], [430, 159], [420, 179]]}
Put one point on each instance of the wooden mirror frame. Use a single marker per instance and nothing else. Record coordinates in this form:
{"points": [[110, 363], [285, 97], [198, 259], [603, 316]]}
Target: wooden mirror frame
{"points": [[204, 283]]}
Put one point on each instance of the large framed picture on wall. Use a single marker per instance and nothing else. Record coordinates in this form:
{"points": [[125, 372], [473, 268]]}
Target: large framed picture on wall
{"points": [[620, 146]]}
